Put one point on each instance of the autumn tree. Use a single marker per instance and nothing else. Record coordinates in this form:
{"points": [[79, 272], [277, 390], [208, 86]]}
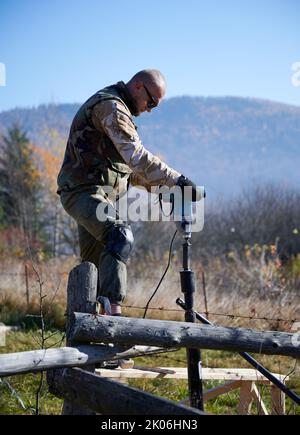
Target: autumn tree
{"points": [[19, 186], [60, 227]]}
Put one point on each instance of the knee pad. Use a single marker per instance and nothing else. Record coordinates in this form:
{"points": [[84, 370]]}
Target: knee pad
{"points": [[119, 242]]}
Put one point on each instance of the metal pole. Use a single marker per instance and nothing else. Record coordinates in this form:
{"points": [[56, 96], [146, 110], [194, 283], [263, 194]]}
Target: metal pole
{"points": [[250, 359], [193, 355]]}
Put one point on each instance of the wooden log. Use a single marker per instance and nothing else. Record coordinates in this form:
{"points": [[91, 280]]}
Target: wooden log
{"points": [[125, 330], [108, 397], [43, 359], [82, 294], [39, 360]]}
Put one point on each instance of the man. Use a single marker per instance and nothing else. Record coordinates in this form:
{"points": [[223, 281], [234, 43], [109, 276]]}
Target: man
{"points": [[104, 149]]}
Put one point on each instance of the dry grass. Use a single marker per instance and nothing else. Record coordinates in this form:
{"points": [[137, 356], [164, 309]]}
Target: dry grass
{"points": [[13, 300], [249, 288]]}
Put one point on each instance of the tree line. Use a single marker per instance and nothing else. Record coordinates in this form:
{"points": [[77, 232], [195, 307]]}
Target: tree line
{"points": [[33, 222]]}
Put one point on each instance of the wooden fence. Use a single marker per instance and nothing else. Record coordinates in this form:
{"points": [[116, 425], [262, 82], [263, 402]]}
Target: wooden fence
{"points": [[93, 338]]}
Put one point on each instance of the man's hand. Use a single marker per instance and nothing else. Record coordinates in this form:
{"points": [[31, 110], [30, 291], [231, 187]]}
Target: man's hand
{"points": [[197, 192]]}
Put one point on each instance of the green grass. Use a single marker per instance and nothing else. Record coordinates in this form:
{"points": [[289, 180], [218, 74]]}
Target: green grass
{"points": [[27, 385]]}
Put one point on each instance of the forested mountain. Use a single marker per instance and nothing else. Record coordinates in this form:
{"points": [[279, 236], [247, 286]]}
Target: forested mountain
{"points": [[223, 143]]}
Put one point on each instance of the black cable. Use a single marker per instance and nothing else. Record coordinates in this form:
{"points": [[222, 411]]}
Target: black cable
{"points": [[164, 274], [171, 201]]}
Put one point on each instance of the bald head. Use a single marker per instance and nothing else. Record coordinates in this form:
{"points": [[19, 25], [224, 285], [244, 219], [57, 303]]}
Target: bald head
{"points": [[150, 77], [146, 86]]}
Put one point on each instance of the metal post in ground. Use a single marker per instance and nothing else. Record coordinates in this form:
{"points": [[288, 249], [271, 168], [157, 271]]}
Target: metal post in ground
{"points": [[193, 355]]}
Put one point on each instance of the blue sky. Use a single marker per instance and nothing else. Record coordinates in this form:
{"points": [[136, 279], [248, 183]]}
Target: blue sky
{"points": [[62, 51]]}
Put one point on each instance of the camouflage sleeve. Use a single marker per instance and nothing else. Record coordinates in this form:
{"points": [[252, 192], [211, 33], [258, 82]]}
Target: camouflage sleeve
{"points": [[114, 118], [137, 180]]}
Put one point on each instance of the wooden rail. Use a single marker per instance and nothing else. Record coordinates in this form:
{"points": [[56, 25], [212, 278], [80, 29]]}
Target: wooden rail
{"points": [[43, 359], [109, 397], [125, 330]]}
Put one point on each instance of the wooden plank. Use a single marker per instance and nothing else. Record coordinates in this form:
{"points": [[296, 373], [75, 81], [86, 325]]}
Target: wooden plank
{"points": [[125, 330], [236, 374], [108, 397], [159, 370], [246, 398], [261, 407], [181, 373], [144, 373], [278, 401], [221, 389]]}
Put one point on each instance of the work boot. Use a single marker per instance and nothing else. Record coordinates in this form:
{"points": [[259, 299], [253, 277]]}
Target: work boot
{"points": [[103, 305]]}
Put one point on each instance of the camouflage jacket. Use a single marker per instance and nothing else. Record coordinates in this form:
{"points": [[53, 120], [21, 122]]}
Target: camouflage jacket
{"points": [[104, 147]]}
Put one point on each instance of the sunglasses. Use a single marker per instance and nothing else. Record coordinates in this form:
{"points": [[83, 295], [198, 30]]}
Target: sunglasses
{"points": [[152, 102]]}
